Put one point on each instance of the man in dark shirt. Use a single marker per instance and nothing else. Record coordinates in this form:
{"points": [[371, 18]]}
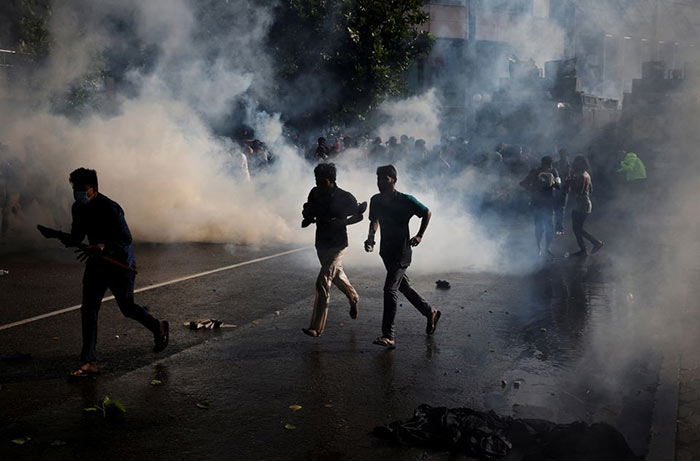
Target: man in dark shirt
{"points": [[332, 209], [541, 182], [391, 210], [102, 221]]}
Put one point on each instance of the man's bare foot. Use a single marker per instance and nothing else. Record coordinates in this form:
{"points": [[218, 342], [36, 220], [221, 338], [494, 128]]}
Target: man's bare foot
{"points": [[310, 332], [85, 370]]}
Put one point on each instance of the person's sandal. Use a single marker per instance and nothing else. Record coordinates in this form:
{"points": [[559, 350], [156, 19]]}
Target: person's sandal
{"points": [[83, 372], [432, 322], [385, 342], [310, 332], [161, 340]]}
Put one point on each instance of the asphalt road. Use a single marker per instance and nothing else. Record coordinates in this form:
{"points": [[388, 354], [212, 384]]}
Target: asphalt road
{"points": [[556, 330]]}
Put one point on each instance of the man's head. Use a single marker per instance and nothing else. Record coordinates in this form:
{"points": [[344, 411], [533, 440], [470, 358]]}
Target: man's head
{"points": [[563, 154], [386, 178], [84, 182], [392, 141], [322, 141], [546, 162], [325, 175]]}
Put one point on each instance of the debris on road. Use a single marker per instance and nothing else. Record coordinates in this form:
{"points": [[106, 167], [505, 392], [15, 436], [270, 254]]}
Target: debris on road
{"points": [[295, 407], [4, 272], [504, 383], [442, 285], [209, 324], [290, 427], [156, 382], [516, 384], [486, 435], [21, 441], [58, 443], [205, 405]]}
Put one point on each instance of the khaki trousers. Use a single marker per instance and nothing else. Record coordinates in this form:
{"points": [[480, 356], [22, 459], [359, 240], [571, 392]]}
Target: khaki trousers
{"points": [[331, 273]]}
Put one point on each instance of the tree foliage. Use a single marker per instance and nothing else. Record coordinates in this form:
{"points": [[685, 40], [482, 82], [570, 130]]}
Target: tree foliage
{"points": [[355, 53], [26, 23]]}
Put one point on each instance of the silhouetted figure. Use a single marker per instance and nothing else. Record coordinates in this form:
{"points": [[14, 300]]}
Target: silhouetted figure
{"points": [[581, 188], [391, 210], [332, 209]]}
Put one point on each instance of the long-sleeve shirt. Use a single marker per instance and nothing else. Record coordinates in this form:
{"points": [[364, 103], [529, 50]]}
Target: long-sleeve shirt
{"points": [[330, 208], [102, 221]]}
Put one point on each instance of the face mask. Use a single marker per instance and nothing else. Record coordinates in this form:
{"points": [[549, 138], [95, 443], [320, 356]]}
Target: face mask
{"points": [[81, 197]]}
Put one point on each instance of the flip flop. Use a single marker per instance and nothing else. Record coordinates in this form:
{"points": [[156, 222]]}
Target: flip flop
{"points": [[83, 373], [385, 342], [310, 332]]}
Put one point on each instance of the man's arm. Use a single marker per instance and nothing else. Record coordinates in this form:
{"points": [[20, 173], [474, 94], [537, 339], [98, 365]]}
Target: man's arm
{"points": [[373, 226], [423, 226]]}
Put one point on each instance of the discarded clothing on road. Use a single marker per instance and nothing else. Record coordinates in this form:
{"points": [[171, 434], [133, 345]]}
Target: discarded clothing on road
{"points": [[486, 435], [209, 324]]}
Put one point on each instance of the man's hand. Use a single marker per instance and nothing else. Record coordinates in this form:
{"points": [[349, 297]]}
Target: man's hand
{"points": [[416, 240], [88, 252], [369, 245], [306, 222]]}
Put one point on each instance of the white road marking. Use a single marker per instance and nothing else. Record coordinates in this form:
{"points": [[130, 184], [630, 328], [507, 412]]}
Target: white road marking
{"points": [[154, 286]]}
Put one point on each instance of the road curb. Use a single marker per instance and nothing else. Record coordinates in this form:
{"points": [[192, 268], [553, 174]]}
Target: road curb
{"points": [[662, 443]]}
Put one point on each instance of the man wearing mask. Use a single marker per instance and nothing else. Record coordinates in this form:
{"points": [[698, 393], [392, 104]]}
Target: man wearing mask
{"points": [[109, 264], [392, 210]]}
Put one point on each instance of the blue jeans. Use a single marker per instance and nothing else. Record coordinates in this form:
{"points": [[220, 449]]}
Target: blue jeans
{"points": [[543, 225], [98, 277]]}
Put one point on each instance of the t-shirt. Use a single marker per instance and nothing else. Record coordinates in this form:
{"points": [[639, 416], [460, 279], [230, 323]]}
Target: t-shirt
{"points": [[394, 211], [102, 220], [330, 209]]}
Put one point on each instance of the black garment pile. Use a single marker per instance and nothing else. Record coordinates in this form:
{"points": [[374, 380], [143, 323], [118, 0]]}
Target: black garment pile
{"points": [[486, 435]]}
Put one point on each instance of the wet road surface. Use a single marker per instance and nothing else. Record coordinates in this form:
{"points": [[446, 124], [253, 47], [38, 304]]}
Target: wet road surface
{"points": [[565, 331]]}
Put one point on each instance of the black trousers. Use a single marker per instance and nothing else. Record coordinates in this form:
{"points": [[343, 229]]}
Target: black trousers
{"points": [[577, 220], [396, 281], [98, 277]]}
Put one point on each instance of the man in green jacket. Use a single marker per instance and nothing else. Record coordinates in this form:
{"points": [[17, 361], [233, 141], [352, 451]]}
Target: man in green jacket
{"points": [[633, 167]]}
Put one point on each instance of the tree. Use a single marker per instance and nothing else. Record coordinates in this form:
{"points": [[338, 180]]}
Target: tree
{"points": [[26, 25], [350, 53]]}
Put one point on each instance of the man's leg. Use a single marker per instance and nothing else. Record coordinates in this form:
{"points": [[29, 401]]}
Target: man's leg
{"points": [[394, 275], [414, 297], [547, 220], [121, 284], [577, 219], [327, 258], [539, 228], [343, 283], [94, 288]]}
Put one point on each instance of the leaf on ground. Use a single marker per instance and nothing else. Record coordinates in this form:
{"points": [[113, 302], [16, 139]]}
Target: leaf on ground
{"points": [[58, 443], [107, 402], [90, 409], [21, 441], [204, 405], [156, 382], [290, 427], [295, 407], [328, 405], [56, 338], [254, 322]]}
